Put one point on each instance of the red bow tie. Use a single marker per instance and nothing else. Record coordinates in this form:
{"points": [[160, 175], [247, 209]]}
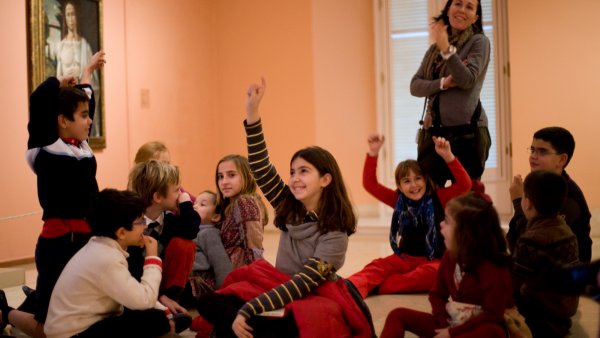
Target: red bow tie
{"points": [[72, 141]]}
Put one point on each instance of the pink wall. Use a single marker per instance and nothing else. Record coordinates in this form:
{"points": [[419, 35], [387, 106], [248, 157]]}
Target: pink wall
{"points": [[555, 80], [195, 61]]}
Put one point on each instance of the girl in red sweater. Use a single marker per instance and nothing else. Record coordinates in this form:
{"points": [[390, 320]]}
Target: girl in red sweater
{"points": [[414, 234], [473, 286]]}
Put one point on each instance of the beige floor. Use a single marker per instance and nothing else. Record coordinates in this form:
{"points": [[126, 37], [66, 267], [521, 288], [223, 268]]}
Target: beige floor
{"points": [[365, 246]]}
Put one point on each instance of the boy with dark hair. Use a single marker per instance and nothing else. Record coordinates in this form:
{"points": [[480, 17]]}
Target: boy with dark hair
{"points": [[552, 149], [172, 221], [95, 285], [546, 241], [60, 117]]}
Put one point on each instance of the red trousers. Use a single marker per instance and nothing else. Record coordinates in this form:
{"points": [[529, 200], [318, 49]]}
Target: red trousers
{"points": [[396, 274], [423, 325], [178, 261]]}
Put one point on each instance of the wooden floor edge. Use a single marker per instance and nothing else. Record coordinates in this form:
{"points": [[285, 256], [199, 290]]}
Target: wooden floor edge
{"points": [[17, 262]]}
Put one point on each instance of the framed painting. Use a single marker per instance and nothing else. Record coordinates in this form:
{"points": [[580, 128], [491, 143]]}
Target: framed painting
{"points": [[62, 36]]}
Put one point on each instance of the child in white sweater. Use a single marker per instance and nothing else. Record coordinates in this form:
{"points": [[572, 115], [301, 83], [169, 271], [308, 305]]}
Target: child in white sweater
{"points": [[95, 286]]}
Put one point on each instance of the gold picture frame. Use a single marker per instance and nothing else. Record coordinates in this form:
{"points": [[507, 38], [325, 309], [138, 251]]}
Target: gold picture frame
{"points": [[59, 45]]}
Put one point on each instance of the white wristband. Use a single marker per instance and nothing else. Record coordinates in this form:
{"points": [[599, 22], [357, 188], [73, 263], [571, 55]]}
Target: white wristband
{"points": [[442, 83], [451, 50]]}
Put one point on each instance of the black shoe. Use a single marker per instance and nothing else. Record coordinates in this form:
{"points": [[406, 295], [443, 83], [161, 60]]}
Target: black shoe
{"points": [[182, 322], [27, 290]]}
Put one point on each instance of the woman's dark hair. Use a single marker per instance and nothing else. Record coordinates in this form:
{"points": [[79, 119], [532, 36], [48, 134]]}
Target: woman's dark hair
{"points": [[65, 29], [114, 209], [478, 235], [477, 26], [334, 210]]}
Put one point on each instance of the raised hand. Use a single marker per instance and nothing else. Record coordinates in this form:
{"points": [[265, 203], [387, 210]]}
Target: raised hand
{"points": [[97, 61], [439, 34], [516, 188], [442, 148], [255, 95], [375, 142]]}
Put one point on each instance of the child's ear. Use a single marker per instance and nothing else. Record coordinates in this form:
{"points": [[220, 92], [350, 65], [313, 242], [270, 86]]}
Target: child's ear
{"points": [[120, 233], [156, 197], [527, 205], [62, 121], [563, 158], [215, 218], [325, 180]]}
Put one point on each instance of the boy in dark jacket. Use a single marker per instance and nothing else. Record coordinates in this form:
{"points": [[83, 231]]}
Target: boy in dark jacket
{"points": [[547, 240]]}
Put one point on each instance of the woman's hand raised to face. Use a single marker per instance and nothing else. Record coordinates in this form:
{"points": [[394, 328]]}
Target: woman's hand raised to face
{"points": [[255, 95], [439, 34]]}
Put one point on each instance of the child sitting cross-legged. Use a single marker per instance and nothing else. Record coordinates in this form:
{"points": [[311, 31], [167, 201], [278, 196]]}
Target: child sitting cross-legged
{"points": [[95, 285]]}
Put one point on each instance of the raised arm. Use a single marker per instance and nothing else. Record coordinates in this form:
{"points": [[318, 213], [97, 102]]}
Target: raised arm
{"points": [[462, 183], [267, 178], [518, 222], [96, 62], [370, 182]]}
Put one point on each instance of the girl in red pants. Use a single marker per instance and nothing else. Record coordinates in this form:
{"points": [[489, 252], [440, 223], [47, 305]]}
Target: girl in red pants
{"points": [[473, 286], [414, 235]]}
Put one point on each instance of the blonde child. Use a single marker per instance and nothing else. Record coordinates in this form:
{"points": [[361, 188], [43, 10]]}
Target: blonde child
{"points": [[212, 264], [155, 150], [473, 286], [414, 233], [243, 212], [174, 223]]}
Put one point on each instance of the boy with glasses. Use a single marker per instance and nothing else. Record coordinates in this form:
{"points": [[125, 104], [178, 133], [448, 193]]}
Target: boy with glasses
{"points": [[95, 286], [552, 149]]}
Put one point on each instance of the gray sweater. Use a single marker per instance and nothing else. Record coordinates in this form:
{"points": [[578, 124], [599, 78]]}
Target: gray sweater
{"points": [[211, 253], [304, 241], [458, 103]]}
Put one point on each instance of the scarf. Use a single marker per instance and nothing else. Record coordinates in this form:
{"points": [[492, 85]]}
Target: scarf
{"points": [[406, 214], [435, 65]]}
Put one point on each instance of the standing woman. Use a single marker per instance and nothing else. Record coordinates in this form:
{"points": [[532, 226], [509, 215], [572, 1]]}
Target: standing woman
{"points": [[450, 77]]}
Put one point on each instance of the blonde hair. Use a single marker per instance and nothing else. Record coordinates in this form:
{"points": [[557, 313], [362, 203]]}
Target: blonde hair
{"points": [[150, 150], [153, 176]]}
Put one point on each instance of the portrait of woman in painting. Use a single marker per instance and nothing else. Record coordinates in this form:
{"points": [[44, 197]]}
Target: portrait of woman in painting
{"points": [[73, 51], [71, 37]]}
